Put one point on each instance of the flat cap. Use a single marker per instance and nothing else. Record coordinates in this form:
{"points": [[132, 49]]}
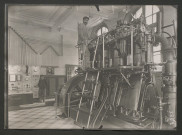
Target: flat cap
{"points": [[86, 17]]}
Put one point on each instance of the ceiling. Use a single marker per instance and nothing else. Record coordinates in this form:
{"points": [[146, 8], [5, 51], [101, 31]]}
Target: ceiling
{"points": [[42, 25]]}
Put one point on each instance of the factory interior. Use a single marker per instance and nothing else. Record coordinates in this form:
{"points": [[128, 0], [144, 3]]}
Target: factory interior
{"points": [[105, 67]]}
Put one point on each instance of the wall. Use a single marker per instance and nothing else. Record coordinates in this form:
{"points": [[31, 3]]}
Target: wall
{"points": [[19, 52], [70, 56], [49, 58], [170, 14]]}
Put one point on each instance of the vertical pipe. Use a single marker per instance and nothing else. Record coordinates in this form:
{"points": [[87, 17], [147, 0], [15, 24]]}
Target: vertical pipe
{"points": [[103, 52], [68, 104], [159, 22], [160, 111], [56, 102], [7, 42], [175, 32], [132, 46], [162, 21], [95, 52]]}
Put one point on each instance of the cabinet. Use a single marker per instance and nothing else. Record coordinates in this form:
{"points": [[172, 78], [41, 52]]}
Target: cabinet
{"points": [[20, 99]]}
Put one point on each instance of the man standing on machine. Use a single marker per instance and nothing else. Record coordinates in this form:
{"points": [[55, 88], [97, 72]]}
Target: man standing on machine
{"points": [[83, 38]]}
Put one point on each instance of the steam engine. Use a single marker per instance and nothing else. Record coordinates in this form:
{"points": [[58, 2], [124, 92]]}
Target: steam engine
{"points": [[123, 81]]}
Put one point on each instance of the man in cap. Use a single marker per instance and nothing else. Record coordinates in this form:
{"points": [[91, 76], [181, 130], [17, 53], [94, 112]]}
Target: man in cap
{"points": [[83, 37]]}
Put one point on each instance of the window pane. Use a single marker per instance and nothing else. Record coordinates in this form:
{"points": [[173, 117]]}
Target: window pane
{"points": [[157, 53], [138, 13], [157, 48], [155, 9], [148, 10], [154, 18], [99, 32], [104, 30], [149, 20], [157, 59]]}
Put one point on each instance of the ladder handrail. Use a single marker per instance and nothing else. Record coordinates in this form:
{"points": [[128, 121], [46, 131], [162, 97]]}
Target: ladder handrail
{"points": [[93, 99], [95, 53], [81, 96], [100, 108]]}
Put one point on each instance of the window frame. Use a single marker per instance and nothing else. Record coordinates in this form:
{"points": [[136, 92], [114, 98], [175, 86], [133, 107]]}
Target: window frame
{"points": [[152, 25], [101, 28]]}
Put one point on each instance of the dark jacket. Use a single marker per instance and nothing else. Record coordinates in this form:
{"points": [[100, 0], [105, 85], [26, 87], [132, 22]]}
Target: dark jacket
{"points": [[42, 84]]}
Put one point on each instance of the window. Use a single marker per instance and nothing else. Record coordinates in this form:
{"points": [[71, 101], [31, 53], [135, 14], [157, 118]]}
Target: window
{"points": [[138, 13], [151, 20], [157, 53], [102, 30], [150, 14]]}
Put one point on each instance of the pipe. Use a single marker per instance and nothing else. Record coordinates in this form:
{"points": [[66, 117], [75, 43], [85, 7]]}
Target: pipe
{"points": [[95, 53], [162, 39], [165, 43], [103, 53], [132, 46]]}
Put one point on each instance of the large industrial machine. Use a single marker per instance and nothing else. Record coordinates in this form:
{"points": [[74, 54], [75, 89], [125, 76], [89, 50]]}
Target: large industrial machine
{"points": [[123, 81]]}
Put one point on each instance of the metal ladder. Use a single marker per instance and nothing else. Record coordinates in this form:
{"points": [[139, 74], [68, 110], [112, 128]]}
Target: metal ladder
{"points": [[100, 110], [93, 98]]}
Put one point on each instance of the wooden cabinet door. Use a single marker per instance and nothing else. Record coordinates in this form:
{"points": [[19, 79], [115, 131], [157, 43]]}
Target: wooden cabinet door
{"points": [[52, 86], [60, 82]]}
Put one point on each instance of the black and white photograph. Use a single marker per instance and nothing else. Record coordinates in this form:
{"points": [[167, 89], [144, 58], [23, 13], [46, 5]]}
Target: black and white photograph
{"points": [[96, 67]]}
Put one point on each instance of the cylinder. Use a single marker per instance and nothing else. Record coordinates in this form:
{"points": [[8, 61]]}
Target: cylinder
{"points": [[122, 46], [106, 54], [170, 67], [169, 97], [169, 91], [170, 80], [129, 59], [137, 56], [116, 58], [149, 53], [110, 62], [168, 55], [121, 62], [159, 22], [137, 59]]}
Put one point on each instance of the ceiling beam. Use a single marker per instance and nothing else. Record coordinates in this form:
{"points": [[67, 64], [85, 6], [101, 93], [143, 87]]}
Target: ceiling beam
{"points": [[63, 16], [39, 25], [53, 14], [29, 22]]}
